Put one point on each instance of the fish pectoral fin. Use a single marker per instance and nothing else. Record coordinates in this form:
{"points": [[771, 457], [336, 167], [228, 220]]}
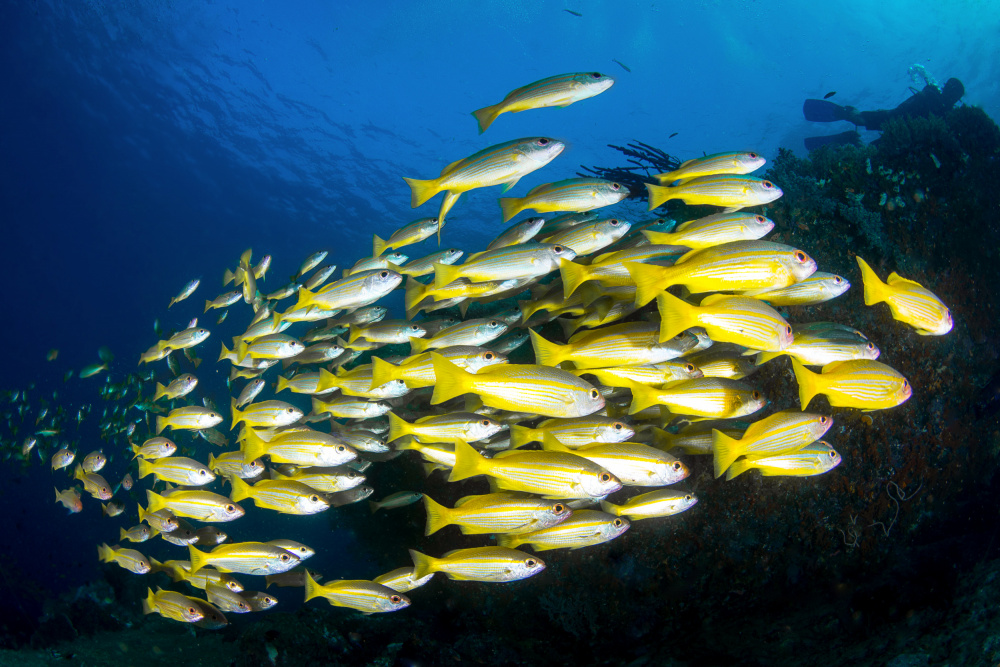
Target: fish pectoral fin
{"points": [[509, 184]]}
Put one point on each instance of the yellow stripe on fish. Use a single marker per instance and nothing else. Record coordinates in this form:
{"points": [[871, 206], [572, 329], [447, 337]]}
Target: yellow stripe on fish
{"points": [[910, 302], [572, 194], [781, 433], [585, 528], [727, 319], [554, 91], [731, 191], [864, 384], [736, 162]]}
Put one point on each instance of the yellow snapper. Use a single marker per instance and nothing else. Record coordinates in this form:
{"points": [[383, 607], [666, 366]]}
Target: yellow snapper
{"points": [[574, 432], [740, 265], [265, 414], [554, 475], [572, 194], [475, 332], [282, 496], [244, 558], [356, 290], [177, 469], [181, 386], [185, 292], [822, 343], [701, 397], [154, 448], [629, 344], [817, 288], [402, 580], [323, 479], [542, 390], [365, 596], [230, 464], [737, 162], [223, 300], [813, 459], [425, 265], [522, 261], [492, 564], [583, 529], [727, 319], [191, 417], [554, 91], [201, 505], [452, 427], [910, 302], [633, 463], [173, 606], [652, 374], [130, 559], [495, 513], [388, 331], [864, 384], [664, 502], [418, 370], [590, 237], [503, 164], [415, 232], [298, 446], [781, 433], [518, 234], [731, 191], [714, 230]]}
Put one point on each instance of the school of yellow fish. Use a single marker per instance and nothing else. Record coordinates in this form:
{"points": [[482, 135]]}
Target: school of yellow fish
{"points": [[594, 423]]}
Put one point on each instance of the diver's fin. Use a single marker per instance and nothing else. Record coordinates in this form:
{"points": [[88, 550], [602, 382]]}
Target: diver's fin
{"points": [[824, 111]]}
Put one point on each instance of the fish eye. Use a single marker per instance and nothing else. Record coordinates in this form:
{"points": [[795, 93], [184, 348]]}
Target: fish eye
{"points": [[616, 186], [833, 455], [755, 395], [531, 562], [290, 410], [905, 384], [752, 156], [689, 368], [485, 422], [594, 393], [488, 356], [494, 323], [192, 610], [284, 558], [870, 346], [230, 508], [822, 420], [605, 477], [558, 508], [557, 249], [800, 256], [687, 497], [836, 280], [788, 330], [543, 142], [618, 523], [614, 223], [767, 184], [314, 499], [595, 75], [340, 448], [395, 599], [677, 465], [243, 605], [383, 274], [619, 426]]}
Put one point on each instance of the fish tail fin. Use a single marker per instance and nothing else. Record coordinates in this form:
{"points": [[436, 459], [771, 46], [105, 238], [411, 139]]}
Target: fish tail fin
{"points": [[422, 564], [228, 277], [764, 357], [511, 206], [468, 462], [353, 333], [642, 397], [874, 288], [378, 245], [199, 559], [658, 195], [313, 589], [149, 604], [551, 444], [725, 451], [161, 423], [437, 515], [521, 436], [659, 238], [327, 381], [208, 305], [419, 345], [226, 353], [738, 468], [486, 116], [305, 298], [569, 326], [808, 385], [445, 274], [236, 413], [145, 468], [240, 491], [449, 380], [383, 371], [527, 308], [212, 461], [649, 280], [374, 506], [154, 502], [611, 508], [240, 350], [573, 275], [282, 384], [546, 353], [397, 427], [415, 292], [142, 514], [121, 534], [509, 541], [421, 191], [104, 552], [676, 315]]}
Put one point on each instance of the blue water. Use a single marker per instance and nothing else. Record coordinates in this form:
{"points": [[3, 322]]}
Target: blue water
{"points": [[144, 144]]}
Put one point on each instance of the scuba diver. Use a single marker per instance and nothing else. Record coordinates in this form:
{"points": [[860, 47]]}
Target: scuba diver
{"points": [[931, 100]]}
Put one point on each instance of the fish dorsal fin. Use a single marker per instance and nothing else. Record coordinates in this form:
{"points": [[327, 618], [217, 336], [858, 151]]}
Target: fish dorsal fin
{"points": [[452, 166], [686, 256], [831, 367], [714, 298], [423, 419], [896, 279], [686, 163], [537, 189], [507, 452], [684, 225]]}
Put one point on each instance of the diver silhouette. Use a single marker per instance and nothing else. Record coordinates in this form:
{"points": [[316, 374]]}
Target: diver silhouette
{"points": [[930, 100]]}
